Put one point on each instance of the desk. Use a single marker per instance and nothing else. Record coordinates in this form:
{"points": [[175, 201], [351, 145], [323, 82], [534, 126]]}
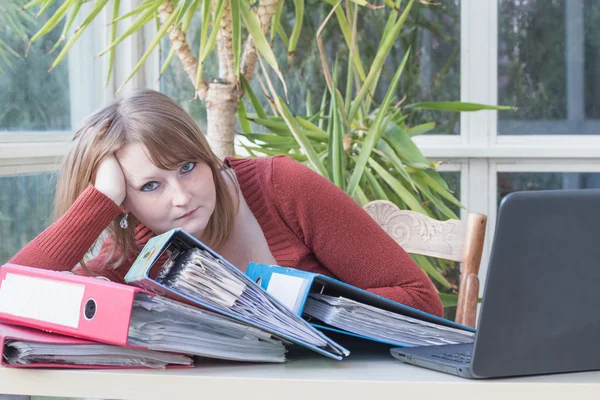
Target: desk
{"points": [[367, 377]]}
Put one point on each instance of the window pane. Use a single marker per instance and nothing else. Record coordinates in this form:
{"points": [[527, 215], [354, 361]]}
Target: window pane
{"points": [[433, 73], [31, 98], [436, 67], [452, 178], [548, 54], [516, 181], [25, 210]]}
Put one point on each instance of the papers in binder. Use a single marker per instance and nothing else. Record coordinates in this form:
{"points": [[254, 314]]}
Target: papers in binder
{"points": [[194, 273], [381, 325], [166, 325], [23, 347], [24, 352], [332, 305], [197, 273]]}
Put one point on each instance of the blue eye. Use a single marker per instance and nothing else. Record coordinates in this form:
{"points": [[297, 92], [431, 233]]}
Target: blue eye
{"points": [[188, 167], [149, 187]]}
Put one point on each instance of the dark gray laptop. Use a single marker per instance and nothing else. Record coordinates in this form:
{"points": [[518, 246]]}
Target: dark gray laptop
{"points": [[541, 305]]}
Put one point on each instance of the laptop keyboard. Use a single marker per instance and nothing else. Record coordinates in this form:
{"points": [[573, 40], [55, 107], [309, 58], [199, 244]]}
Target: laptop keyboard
{"points": [[463, 357]]}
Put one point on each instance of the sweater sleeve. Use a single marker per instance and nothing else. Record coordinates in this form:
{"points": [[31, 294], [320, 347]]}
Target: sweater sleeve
{"points": [[346, 240], [64, 243]]}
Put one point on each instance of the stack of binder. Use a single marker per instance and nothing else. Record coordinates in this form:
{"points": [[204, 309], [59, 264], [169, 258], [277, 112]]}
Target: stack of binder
{"points": [[136, 323], [297, 306], [184, 300], [196, 304]]}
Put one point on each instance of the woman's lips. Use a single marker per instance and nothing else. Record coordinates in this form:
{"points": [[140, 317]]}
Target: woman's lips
{"points": [[189, 213]]}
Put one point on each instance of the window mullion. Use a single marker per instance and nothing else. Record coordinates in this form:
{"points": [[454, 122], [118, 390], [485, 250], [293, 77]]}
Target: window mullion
{"points": [[479, 76], [479, 58]]}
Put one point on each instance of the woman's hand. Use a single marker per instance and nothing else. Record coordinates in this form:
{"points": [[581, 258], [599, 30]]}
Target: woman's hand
{"points": [[109, 179]]}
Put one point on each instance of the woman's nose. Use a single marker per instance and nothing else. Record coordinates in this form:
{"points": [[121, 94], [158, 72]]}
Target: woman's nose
{"points": [[181, 196]]}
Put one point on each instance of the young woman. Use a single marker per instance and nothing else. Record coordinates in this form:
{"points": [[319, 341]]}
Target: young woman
{"points": [[141, 167]]}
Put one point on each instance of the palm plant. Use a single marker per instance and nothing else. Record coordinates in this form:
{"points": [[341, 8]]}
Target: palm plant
{"points": [[364, 148]]}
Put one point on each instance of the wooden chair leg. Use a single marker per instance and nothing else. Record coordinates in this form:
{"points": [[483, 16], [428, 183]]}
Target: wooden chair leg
{"points": [[469, 306], [475, 236]]}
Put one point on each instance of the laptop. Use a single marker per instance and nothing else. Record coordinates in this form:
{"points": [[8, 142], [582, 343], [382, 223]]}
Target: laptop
{"points": [[540, 312]]}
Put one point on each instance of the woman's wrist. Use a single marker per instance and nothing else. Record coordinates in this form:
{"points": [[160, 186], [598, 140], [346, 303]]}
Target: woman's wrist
{"points": [[111, 194]]}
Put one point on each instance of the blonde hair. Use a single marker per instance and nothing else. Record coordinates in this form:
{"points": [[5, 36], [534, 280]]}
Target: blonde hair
{"points": [[171, 138]]}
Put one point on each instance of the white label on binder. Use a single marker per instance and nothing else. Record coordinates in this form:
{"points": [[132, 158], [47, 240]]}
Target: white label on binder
{"points": [[41, 299], [288, 289]]}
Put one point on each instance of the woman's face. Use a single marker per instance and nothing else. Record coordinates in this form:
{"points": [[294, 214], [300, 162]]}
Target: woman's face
{"points": [[166, 199]]}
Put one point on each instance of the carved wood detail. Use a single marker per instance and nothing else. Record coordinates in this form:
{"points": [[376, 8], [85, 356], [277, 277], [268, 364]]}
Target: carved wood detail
{"points": [[418, 233]]}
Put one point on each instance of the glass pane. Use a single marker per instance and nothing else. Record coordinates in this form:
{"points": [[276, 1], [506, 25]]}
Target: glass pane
{"points": [[31, 98], [548, 52], [432, 74], [452, 178], [516, 181], [25, 210]]}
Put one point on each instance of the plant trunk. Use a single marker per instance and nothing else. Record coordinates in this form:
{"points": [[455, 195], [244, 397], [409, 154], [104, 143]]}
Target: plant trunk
{"points": [[182, 49], [221, 95], [224, 44], [265, 11], [221, 108]]}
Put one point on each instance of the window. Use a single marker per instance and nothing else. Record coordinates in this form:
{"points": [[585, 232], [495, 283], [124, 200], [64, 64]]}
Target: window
{"points": [[538, 55], [35, 105], [25, 209], [39, 104], [547, 62], [38, 112]]}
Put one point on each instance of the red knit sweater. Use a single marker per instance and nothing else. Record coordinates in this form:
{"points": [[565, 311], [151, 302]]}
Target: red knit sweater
{"points": [[309, 224]]}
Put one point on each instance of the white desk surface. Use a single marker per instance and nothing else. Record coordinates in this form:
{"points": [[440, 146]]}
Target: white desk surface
{"points": [[362, 377]]}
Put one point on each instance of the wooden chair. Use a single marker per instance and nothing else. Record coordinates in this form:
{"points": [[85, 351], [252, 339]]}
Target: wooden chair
{"points": [[454, 240]]}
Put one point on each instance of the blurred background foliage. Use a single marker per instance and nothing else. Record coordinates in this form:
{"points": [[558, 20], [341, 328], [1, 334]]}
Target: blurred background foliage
{"points": [[432, 74]]}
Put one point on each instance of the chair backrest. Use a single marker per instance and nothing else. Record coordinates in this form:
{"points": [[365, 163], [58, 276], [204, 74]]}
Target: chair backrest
{"points": [[454, 240]]}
